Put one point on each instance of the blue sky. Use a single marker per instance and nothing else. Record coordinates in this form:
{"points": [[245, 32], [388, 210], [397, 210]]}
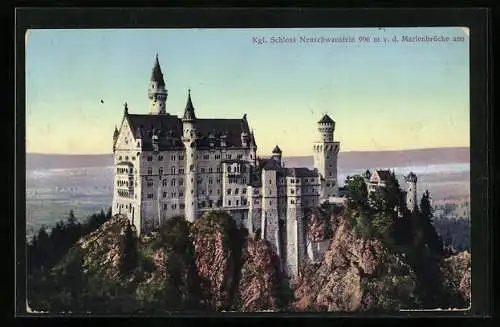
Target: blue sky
{"points": [[382, 95]]}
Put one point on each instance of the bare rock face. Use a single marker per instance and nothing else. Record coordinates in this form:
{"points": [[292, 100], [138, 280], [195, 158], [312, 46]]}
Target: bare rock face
{"points": [[456, 272], [259, 286], [215, 262], [355, 275]]}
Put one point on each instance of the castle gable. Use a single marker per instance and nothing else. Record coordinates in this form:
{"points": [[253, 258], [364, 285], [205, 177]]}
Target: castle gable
{"points": [[380, 176], [125, 137]]}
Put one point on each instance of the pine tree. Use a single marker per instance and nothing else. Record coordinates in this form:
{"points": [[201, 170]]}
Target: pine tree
{"points": [[357, 193], [426, 214], [129, 256]]}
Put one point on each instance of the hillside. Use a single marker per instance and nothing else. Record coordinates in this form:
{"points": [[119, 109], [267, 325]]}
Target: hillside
{"points": [[211, 265]]}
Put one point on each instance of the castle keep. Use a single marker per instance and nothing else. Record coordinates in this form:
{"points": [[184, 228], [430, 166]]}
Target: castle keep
{"points": [[168, 165]]}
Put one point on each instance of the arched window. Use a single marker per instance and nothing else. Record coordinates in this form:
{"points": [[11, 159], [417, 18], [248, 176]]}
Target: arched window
{"points": [[173, 170], [160, 171], [150, 171], [165, 182]]}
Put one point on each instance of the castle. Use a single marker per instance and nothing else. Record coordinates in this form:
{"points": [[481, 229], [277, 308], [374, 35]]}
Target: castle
{"points": [[168, 165]]}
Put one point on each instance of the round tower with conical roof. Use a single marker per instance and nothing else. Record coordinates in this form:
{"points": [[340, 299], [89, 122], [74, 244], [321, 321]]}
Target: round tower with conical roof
{"points": [[157, 94], [325, 152], [189, 139], [411, 193], [276, 155]]}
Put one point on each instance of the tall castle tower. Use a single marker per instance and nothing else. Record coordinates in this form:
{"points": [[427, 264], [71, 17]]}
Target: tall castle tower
{"points": [[325, 153], [157, 93], [189, 139], [411, 194]]}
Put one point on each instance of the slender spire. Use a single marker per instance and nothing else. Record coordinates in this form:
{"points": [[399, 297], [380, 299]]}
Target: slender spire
{"points": [[189, 111], [157, 75], [125, 108], [115, 134]]}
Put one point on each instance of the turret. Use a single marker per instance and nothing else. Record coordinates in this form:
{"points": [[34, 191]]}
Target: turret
{"points": [[157, 94], [325, 152], [189, 139], [411, 194], [276, 154], [326, 127]]}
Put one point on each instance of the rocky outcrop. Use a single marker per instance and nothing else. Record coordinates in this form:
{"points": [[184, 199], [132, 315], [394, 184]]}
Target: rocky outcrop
{"points": [[211, 265], [355, 275], [259, 286], [215, 236], [102, 247]]}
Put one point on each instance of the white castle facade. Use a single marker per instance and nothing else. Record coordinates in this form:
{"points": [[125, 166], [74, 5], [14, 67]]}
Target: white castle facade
{"points": [[168, 166]]}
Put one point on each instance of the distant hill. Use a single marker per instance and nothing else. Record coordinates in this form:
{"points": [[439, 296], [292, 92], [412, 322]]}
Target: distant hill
{"points": [[347, 160], [55, 161], [388, 159]]}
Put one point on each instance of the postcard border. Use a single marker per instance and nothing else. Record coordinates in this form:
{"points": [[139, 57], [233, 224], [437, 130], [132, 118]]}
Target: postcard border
{"points": [[480, 102]]}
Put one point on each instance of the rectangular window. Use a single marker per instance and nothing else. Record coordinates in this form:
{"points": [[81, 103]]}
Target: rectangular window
{"points": [[149, 158], [181, 157], [150, 195], [160, 158], [206, 157], [202, 170]]}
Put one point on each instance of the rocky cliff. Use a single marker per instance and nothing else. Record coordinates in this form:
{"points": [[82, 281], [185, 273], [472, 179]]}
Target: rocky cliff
{"points": [[211, 265], [355, 275]]}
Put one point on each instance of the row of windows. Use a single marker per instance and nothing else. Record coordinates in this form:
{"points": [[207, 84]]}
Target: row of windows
{"points": [[181, 157], [172, 157], [233, 180], [166, 183], [120, 158], [173, 206], [236, 191], [236, 169], [244, 202], [124, 193], [123, 170], [181, 194], [160, 171], [123, 183]]}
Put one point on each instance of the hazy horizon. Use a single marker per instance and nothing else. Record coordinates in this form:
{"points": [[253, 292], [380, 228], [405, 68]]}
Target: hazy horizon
{"points": [[383, 96], [264, 154]]}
